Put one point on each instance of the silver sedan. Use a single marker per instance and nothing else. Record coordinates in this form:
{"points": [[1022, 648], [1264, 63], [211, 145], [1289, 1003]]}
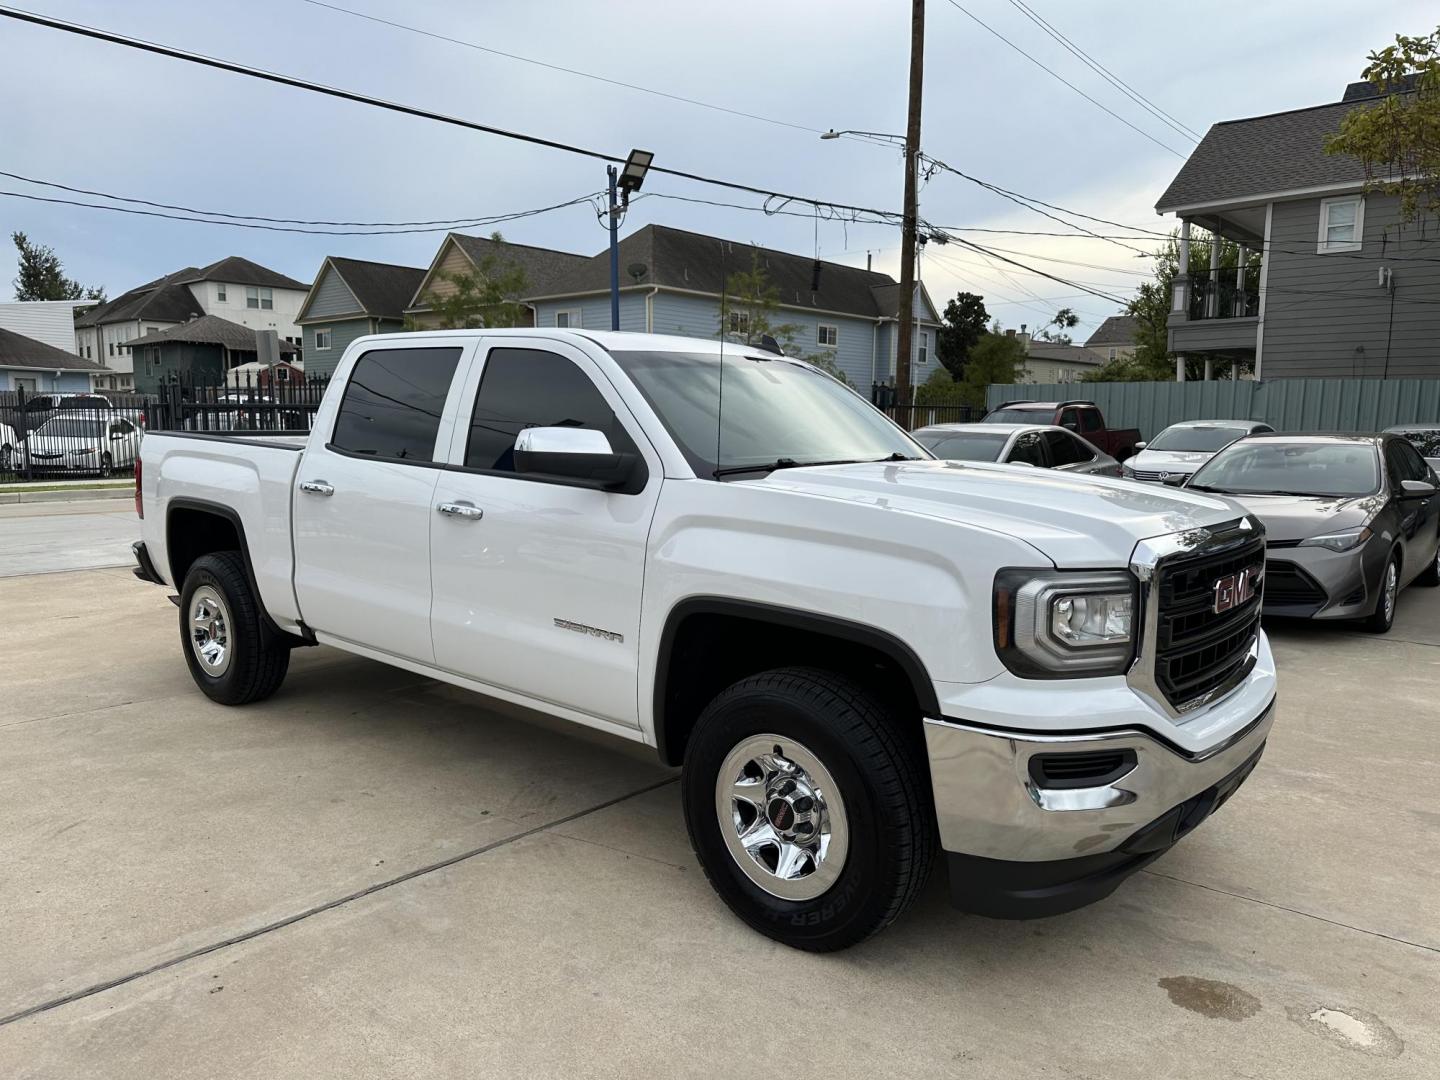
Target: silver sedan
{"points": [[1350, 520], [1041, 445], [1181, 448]]}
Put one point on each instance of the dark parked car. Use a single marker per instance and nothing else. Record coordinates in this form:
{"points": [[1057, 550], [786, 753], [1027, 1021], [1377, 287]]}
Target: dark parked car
{"points": [[1082, 417], [1350, 520], [1023, 444]]}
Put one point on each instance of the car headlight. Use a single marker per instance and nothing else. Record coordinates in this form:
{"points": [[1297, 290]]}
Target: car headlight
{"points": [[1055, 624], [1347, 540], [1127, 471], [83, 450]]}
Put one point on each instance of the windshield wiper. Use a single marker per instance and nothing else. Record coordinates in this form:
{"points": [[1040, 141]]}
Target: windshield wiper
{"points": [[791, 463]]}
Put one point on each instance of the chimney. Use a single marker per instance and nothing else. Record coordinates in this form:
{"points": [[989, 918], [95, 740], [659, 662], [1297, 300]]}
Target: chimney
{"points": [[1009, 333], [867, 260]]}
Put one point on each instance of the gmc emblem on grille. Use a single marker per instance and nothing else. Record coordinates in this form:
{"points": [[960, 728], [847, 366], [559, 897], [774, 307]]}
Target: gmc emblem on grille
{"points": [[1232, 590]]}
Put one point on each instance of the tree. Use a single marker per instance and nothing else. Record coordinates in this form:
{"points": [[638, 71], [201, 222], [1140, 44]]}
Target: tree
{"points": [[42, 277], [1397, 138], [484, 298], [962, 325], [1064, 319], [748, 305], [996, 358]]}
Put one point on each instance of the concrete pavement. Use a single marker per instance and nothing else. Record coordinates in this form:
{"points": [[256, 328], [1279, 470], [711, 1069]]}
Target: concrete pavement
{"points": [[375, 875], [41, 538]]}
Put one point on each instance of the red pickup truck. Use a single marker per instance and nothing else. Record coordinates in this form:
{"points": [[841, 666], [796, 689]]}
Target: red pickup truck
{"points": [[1081, 417]]}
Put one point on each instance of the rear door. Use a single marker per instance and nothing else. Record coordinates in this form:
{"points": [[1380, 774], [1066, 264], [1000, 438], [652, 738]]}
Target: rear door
{"points": [[538, 580], [1028, 449], [364, 501], [1067, 451]]}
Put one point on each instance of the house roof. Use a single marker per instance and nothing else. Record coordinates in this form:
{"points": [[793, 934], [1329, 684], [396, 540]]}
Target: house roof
{"points": [[1263, 155], [1064, 354], [543, 267], [19, 351], [1116, 330], [234, 270], [383, 290], [678, 259], [210, 330]]}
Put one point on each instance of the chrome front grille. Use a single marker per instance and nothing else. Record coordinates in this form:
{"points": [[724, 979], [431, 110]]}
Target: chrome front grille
{"points": [[1190, 652]]}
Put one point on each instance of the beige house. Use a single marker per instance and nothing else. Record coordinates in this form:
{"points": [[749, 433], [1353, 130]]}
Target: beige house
{"points": [[1115, 338], [1048, 362], [461, 254]]}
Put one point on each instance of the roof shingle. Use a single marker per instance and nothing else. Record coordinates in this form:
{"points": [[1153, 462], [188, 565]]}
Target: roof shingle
{"points": [[17, 350], [382, 290], [1116, 330], [210, 330]]}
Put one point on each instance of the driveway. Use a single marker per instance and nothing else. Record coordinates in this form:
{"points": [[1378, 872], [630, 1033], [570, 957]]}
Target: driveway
{"points": [[40, 538], [374, 875]]}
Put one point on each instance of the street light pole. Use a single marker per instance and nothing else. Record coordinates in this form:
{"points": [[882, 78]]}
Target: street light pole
{"points": [[614, 215], [906, 314]]}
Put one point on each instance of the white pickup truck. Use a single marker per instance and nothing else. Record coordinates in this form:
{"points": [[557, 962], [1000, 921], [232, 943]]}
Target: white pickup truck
{"points": [[856, 653]]}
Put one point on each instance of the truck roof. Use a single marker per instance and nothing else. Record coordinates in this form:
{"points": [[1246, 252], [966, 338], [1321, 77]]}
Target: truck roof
{"points": [[614, 340]]}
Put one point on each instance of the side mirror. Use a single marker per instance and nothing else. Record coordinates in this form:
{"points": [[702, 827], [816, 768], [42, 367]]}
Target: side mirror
{"points": [[1070, 425], [582, 454], [1417, 489], [1139, 446]]}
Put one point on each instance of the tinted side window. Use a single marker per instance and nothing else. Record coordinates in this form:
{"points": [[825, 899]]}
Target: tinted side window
{"points": [[1069, 418], [1027, 449], [1061, 449], [393, 402], [1089, 419], [1407, 462], [525, 388]]}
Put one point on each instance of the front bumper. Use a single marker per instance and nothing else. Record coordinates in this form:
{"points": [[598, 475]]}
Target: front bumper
{"points": [[1019, 849], [1316, 583]]}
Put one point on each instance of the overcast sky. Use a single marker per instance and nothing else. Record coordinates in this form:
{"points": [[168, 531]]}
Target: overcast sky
{"points": [[94, 115]]}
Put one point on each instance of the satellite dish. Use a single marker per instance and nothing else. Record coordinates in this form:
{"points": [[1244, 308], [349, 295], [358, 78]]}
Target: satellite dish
{"points": [[637, 270]]}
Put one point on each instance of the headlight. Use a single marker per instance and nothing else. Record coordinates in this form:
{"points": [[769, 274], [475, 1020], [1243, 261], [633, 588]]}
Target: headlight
{"points": [[83, 450], [1340, 541], [1054, 624], [1127, 471]]}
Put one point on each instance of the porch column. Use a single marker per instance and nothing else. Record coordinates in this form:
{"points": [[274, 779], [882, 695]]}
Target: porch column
{"points": [[1179, 367], [1212, 287], [1209, 369], [1180, 288], [1240, 304]]}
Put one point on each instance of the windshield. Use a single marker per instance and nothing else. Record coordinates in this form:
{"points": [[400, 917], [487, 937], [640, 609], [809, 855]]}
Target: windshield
{"points": [[1206, 439], [1269, 467], [776, 412], [1040, 414], [72, 427], [963, 445]]}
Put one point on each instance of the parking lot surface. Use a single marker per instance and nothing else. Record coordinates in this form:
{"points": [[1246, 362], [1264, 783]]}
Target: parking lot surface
{"points": [[40, 538], [375, 875]]}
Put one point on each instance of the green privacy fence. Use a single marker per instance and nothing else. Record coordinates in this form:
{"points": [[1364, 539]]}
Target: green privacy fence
{"points": [[1284, 404]]}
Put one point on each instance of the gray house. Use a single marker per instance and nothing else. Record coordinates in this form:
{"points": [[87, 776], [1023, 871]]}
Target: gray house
{"points": [[352, 298], [1342, 288], [671, 282], [202, 350]]}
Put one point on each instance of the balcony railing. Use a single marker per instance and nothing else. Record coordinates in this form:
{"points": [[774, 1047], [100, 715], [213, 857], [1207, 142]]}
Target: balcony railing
{"points": [[1221, 294]]}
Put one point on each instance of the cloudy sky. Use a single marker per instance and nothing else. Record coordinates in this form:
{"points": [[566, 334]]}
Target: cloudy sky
{"points": [[93, 115]]}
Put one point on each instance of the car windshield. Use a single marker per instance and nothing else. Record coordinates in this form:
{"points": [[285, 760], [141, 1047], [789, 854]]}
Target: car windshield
{"points": [[1269, 467], [1427, 441], [1040, 414], [963, 445], [72, 427], [776, 412], [1198, 438]]}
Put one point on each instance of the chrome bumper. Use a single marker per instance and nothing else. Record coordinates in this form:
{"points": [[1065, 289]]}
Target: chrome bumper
{"points": [[988, 804]]}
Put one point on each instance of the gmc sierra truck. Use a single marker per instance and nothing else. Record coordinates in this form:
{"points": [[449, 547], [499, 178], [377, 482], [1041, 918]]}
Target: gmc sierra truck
{"points": [[856, 654]]}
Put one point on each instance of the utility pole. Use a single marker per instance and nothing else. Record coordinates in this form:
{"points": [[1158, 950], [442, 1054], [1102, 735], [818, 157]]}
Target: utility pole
{"points": [[614, 216], [906, 323]]}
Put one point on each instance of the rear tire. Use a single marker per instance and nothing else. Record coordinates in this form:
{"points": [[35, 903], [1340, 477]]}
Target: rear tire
{"points": [[107, 466], [846, 770], [234, 657], [1387, 598]]}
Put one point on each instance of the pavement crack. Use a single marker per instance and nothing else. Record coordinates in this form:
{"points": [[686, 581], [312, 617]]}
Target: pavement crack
{"points": [[320, 909], [1295, 911]]}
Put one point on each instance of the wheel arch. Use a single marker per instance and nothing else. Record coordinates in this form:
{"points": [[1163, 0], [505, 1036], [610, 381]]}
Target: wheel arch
{"points": [[774, 636]]}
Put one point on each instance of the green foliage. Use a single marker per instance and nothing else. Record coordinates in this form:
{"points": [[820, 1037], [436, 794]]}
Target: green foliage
{"points": [[748, 307], [996, 358], [1064, 319], [484, 298], [961, 326], [1398, 137], [825, 361], [42, 277], [941, 389]]}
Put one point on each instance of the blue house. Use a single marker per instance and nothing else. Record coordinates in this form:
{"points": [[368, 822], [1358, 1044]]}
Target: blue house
{"points": [[351, 298], [38, 368], [672, 281]]}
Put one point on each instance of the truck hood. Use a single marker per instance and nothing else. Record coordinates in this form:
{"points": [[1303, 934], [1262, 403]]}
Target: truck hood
{"points": [[1175, 461], [1075, 520], [1299, 517]]}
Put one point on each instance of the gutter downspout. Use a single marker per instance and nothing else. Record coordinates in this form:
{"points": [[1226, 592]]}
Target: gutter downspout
{"points": [[650, 309], [1265, 253]]}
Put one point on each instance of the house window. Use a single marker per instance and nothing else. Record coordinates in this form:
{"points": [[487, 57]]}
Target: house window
{"points": [[922, 349], [259, 298], [1112, 352], [322, 340], [220, 292], [739, 322], [568, 318], [112, 348], [1342, 223], [827, 335]]}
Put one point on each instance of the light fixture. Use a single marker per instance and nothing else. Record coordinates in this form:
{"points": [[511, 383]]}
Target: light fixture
{"points": [[633, 174], [831, 134]]}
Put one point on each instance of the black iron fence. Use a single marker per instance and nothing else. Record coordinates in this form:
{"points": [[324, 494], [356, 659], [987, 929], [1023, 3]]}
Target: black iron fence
{"points": [[911, 417], [1224, 293], [53, 436]]}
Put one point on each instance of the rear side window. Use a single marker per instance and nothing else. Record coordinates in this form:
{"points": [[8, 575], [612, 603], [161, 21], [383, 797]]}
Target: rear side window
{"points": [[525, 388], [393, 403], [1066, 449], [1027, 449]]}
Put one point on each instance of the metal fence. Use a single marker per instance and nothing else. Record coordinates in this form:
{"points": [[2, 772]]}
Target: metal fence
{"points": [[48, 436], [1350, 405], [911, 417]]}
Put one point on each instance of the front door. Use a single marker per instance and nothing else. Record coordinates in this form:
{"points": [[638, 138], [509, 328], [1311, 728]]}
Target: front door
{"points": [[1418, 514], [364, 501], [537, 581]]}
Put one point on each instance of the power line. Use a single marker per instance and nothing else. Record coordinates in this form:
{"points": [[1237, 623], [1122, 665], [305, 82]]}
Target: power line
{"points": [[1105, 73], [1060, 78]]}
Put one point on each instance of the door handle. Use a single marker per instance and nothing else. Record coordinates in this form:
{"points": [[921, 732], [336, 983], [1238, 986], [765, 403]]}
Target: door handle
{"points": [[317, 487], [468, 511]]}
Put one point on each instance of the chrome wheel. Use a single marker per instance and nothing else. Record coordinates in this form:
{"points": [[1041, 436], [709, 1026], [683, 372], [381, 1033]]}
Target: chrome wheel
{"points": [[210, 630], [1391, 587], [782, 817]]}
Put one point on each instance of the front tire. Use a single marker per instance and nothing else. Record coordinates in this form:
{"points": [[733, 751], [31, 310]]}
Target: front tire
{"points": [[1388, 595], [808, 807], [234, 657]]}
